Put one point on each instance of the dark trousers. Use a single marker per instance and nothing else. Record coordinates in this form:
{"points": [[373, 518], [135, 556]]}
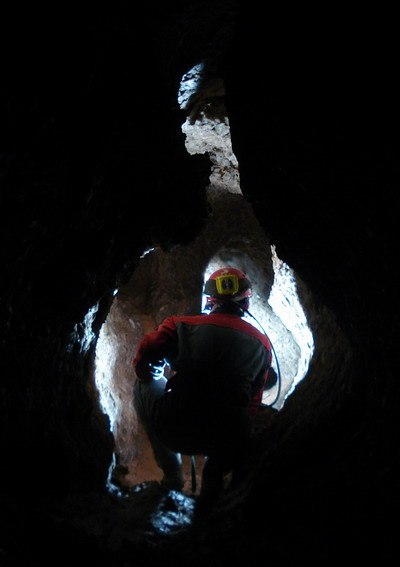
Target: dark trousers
{"points": [[179, 424], [170, 462]]}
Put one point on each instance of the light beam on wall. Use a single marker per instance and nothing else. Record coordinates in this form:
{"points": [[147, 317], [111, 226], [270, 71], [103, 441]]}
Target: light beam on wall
{"points": [[285, 302], [189, 84], [207, 128], [104, 376], [83, 334]]}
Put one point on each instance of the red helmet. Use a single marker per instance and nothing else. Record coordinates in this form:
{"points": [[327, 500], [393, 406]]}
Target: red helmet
{"points": [[227, 283]]}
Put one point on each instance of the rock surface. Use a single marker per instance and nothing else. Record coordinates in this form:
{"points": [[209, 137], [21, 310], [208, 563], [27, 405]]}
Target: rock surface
{"points": [[94, 171]]}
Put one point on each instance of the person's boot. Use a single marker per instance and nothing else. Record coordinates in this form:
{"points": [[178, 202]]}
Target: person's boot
{"points": [[210, 491]]}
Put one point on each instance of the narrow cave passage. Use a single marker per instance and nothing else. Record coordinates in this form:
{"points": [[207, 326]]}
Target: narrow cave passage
{"points": [[144, 302], [167, 283], [94, 173], [170, 283]]}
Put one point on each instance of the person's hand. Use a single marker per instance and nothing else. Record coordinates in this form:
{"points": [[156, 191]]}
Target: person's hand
{"points": [[157, 369]]}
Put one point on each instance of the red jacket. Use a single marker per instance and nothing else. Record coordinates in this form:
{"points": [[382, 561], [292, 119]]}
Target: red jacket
{"points": [[220, 354]]}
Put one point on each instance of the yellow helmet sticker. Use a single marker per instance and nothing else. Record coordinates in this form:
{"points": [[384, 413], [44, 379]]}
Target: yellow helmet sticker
{"points": [[227, 285]]}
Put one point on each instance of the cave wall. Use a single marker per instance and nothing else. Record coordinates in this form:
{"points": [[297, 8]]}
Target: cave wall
{"points": [[94, 171], [318, 159], [169, 283], [81, 160]]}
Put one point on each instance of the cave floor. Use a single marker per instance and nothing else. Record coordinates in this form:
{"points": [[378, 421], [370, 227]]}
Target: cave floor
{"points": [[145, 524]]}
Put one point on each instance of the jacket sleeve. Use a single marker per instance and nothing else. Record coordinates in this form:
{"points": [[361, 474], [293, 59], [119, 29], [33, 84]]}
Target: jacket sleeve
{"points": [[155, 346]]}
